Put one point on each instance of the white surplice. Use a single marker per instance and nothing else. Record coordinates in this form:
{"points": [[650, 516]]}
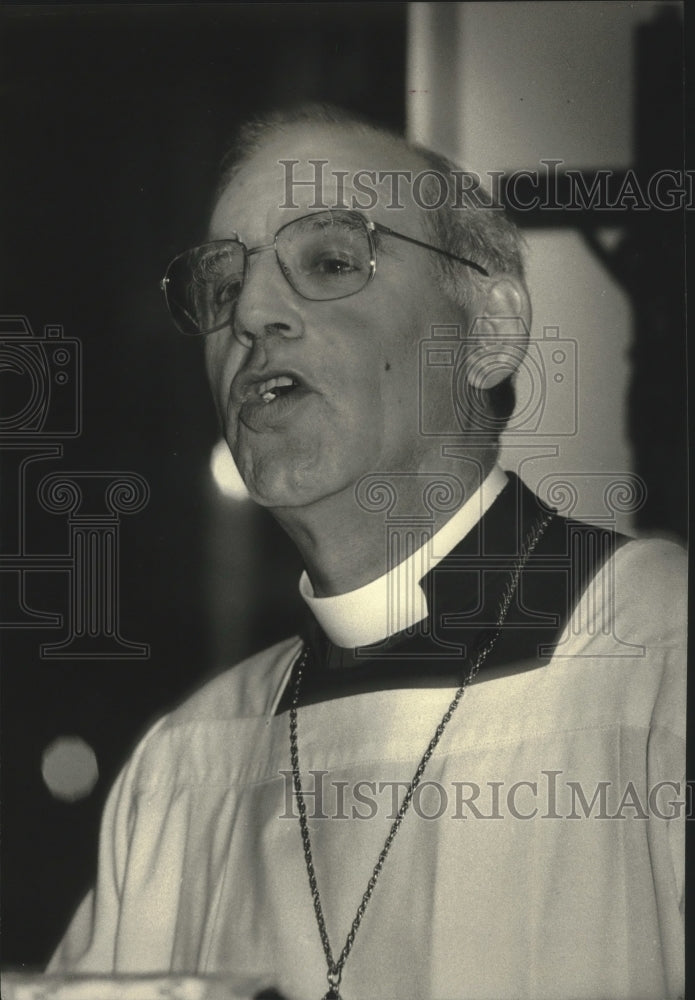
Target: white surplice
{"points": [[561, 878]]}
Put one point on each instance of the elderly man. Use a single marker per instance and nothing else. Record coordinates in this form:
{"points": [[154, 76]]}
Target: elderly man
{"points": [[333, 814]]}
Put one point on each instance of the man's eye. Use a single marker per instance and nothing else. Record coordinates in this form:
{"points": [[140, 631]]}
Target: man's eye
{"points": [[227, 291], [332, 265]]}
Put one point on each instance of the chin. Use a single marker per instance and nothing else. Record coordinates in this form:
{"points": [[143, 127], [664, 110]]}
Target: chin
{"points": [[274, 483], [281, 484]]}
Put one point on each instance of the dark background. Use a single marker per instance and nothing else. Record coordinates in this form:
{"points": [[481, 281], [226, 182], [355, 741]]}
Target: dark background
{"points": [[114, 119], [113, 123]]}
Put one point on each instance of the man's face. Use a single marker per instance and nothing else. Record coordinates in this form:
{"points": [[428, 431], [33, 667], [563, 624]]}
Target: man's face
{"points": [[355, 360]]}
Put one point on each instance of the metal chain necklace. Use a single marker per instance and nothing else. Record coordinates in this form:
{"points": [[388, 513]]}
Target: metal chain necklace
{"points": [[335, 967]]}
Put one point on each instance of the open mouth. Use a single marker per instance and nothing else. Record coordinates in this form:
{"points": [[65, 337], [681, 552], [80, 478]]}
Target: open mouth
{"points": [[274, 388], [268, 403]]}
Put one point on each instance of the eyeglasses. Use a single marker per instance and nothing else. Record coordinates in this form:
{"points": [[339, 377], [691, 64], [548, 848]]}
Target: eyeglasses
{"points": [[325, 256]]}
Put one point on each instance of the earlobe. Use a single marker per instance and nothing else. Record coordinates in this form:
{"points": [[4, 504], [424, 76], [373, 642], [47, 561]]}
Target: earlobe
{"points": [[499, 334]]}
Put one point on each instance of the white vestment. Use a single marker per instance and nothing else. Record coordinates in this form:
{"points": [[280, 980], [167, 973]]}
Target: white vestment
{"points": [[201, 864]]}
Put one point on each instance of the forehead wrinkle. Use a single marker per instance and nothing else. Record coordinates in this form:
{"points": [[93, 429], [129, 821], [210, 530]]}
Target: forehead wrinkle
{"points": [[343, 150], [224, 222], [400, 220]]}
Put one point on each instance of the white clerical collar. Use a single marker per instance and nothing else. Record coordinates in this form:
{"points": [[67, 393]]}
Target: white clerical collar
{"points": [[396, 600]]}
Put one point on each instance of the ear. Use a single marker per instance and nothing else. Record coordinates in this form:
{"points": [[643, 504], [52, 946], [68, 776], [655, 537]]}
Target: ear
{"points": [[499, 334]]}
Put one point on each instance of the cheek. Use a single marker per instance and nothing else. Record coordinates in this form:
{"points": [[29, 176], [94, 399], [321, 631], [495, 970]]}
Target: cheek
{"points": [[223, 358], [213, 364], [400, 369]]}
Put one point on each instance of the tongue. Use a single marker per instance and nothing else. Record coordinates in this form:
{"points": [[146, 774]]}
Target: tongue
{"points": [[282, 390]]}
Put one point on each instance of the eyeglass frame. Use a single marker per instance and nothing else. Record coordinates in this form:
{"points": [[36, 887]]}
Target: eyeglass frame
{"points": [[370, 227]]}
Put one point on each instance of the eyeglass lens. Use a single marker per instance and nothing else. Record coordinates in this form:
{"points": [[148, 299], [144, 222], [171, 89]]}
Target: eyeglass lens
{"points": [[323, 256]]}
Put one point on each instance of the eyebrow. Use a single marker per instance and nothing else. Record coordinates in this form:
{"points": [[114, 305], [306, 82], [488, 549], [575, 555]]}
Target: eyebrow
{"points": [[346, 221], [393, 250]]}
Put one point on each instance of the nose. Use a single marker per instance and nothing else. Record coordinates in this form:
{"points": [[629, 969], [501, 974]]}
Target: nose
{"points": [[267, 304]]}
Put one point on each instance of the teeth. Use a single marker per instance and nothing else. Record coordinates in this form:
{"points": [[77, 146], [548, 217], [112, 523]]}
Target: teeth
{"points": [[266, 389], [272, 383]]}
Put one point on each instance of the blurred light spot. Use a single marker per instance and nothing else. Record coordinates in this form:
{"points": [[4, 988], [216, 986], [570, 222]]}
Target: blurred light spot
{"points": [[609, 236], [226, 474], [69, 768]]}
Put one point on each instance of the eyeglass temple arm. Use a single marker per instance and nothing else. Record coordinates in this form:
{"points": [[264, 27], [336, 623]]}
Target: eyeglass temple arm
{"points": [[428, 246]]}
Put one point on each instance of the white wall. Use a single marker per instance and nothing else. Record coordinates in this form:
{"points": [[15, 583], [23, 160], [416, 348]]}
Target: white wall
{"points": [[500, 86]]}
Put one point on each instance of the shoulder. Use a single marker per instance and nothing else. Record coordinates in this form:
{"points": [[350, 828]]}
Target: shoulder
{"points": [[230, 711], [655, 555], [638, 593], [629, 628], [248, 689], [649, 578]]}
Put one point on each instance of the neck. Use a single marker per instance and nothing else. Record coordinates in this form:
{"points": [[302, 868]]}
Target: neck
{"points": [[345, 540]]}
